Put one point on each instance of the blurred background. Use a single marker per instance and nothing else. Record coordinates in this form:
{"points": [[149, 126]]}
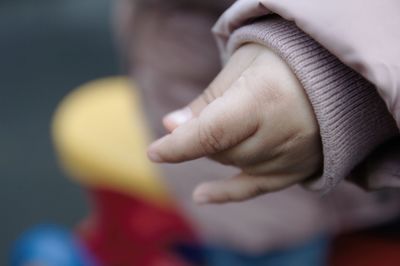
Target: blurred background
{"points": [[47, 47]]}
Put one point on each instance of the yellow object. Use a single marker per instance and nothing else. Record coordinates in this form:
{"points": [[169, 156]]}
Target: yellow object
{"points": [[101, 138]]}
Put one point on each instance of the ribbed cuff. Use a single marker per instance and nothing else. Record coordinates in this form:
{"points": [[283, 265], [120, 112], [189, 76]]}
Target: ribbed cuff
{"points": [[353, 119]]}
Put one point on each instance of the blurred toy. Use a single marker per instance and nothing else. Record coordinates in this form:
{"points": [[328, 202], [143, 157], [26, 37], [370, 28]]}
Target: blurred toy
{"points": [[49, 245], [101, 138], [367, 248]]}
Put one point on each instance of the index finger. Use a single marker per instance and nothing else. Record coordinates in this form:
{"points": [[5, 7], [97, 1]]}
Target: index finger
{"points": [[221, 125]]}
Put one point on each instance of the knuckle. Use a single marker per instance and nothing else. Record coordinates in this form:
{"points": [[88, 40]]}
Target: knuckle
{"points": [[265, 89], [292, 141], [211, 137], [258, 189], [208, 95], [295, 141], [271, 92]]}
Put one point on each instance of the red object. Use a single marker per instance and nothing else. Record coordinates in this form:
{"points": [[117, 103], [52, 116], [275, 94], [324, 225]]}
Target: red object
{"points": [[365, 249], [128, 231]]}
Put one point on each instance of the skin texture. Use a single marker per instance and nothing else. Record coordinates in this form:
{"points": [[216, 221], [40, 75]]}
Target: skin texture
{"points": [[255, 116]]}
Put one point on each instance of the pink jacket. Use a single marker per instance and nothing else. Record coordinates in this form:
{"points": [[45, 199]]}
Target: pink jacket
{"points": [[365, 36]]}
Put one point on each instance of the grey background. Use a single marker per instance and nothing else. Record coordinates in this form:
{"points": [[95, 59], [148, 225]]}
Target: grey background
{"points": [[47, 47]]}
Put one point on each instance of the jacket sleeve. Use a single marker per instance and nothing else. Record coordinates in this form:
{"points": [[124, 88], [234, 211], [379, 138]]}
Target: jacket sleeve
{"points": [[363, 34], [353, 119]]}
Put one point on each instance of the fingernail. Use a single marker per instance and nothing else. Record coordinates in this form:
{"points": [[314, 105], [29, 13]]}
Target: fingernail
{"points": [[154, 157], [179, 117], [152, 153], [201, 199]]}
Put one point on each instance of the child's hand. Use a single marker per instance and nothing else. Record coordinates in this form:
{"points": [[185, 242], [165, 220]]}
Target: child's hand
{"points": [[256, 116]]}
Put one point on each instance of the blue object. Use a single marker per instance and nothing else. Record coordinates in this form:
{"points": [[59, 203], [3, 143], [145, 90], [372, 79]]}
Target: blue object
{"points": [[49, 245], [312, 253]]}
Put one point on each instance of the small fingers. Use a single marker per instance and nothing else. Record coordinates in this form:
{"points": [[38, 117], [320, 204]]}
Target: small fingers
{"points": [[240, 188], [237, 64], [221, 125]]}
